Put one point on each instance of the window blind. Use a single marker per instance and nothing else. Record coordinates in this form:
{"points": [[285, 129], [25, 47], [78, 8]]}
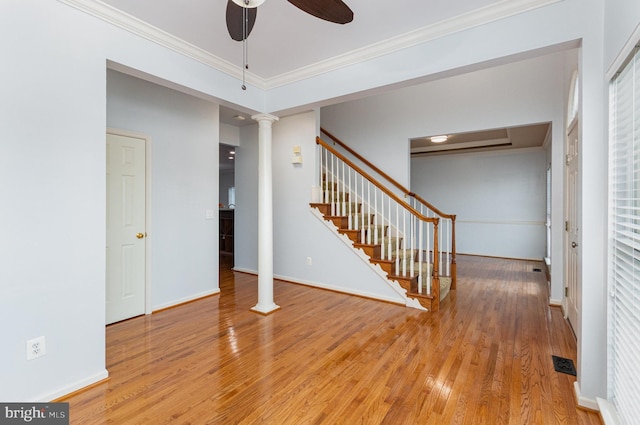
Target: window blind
{"points": [[624, 241]]}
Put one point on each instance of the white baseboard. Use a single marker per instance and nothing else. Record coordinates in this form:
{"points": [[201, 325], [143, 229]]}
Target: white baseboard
{"points": [[608, 412], [243, 270], [583, 401], [341, 290], [555, 303], [78, 385], [186, 299]]}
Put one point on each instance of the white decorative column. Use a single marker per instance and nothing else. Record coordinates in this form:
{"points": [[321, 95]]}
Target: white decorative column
{"points": [[265, 216]]}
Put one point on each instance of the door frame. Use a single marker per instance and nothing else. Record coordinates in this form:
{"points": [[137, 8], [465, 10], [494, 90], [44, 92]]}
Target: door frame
{"points": [[147, 209]]}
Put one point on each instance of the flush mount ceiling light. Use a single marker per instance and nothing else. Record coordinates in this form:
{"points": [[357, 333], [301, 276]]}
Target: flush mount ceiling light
{"points": [[439, 139], [239, 117]]}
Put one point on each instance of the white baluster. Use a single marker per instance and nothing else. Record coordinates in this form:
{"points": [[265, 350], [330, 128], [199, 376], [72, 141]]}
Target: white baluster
{"points": [[398, 239], [362, 227], [404, 243], [368, 212], [412, 226], [344, 206], [389, 232], [430, 263], [325, 180], [382, 233], [351, 197], [375, 215], [334, 206], [420, 242]]}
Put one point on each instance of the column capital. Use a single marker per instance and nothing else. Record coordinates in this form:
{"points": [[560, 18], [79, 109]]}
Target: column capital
{"points": [[264, 117]]}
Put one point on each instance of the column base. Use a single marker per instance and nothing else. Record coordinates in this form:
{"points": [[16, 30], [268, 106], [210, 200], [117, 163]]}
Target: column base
{"points": [[265, 310]]}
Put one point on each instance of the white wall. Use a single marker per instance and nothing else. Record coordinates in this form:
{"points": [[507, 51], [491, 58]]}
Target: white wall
{"points": [[184, 183], [499, 198]]}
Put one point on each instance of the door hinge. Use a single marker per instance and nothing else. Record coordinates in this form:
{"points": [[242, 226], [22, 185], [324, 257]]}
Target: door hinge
{"points": [[566, 226], [567, 159], [566, 291]]}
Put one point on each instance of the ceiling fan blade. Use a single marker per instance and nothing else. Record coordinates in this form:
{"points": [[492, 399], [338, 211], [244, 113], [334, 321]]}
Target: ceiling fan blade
{"points": [[235, 18], [330, 10]]}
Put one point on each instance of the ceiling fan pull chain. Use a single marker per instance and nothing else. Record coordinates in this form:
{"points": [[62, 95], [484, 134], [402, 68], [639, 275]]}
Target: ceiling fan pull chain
{"points": [[245, 18]]}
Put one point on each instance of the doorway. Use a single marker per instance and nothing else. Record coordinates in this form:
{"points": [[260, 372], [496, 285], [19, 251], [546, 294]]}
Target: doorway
{"points": [[226, 204]]}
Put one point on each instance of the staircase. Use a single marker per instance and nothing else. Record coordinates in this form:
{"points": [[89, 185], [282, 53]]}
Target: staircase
{"points": [[400, 238]]}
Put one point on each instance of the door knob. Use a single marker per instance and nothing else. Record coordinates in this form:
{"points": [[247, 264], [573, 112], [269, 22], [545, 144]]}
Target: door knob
{"points": [[573, 244], [140, 235]]}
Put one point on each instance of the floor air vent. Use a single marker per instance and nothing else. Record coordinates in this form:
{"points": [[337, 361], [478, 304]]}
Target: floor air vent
{"points": [[537, 270], [560, 364]]}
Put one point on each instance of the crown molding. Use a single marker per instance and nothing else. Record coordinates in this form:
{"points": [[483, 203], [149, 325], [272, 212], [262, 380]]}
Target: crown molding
{"points": [[475, 18], [493, 12], [154, 34]]}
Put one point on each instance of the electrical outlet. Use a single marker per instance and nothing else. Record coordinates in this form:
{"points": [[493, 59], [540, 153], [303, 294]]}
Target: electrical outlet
{"points": [[309, 261], [36, 348]]}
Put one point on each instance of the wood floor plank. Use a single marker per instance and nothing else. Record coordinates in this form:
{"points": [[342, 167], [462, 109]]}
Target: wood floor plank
{"points": [[329, 358]]}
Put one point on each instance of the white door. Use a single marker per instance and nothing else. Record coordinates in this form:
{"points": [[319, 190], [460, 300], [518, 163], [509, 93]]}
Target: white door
{"points": [[572, 247], [125, 272]]}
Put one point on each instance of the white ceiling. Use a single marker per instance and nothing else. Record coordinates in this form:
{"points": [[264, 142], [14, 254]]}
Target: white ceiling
{"points": [[285, 38]]}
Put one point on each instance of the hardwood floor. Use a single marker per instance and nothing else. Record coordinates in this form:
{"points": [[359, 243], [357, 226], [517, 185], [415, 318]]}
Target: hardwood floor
{"points": [[328, 358]]}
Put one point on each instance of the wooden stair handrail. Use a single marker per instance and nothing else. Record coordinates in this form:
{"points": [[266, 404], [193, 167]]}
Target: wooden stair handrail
{"points": [[386, 176], [405, 205]]}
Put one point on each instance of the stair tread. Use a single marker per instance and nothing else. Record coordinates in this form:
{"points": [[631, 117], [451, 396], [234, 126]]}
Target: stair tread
{"points": [[417, 295], [361, 245]]}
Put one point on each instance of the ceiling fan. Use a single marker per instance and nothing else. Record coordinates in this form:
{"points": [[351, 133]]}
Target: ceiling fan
{"points": [[241, 14]]}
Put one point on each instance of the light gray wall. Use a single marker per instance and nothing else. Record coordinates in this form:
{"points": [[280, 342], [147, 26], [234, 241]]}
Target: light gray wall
{"points": [[298, 234], [53, 175], [525, 92], [622, 19], [245, 236], [229, 134], [499, 199], [53, 106], [227, 180], [184, 183]]}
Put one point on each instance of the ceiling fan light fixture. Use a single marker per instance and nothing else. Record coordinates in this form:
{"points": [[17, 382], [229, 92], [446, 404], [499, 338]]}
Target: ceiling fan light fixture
{"points": [[248, 4], [439, 139]]}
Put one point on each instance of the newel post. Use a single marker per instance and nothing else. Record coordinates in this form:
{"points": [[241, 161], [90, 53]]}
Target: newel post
{"points": [[265, 216], [454, 267]]}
